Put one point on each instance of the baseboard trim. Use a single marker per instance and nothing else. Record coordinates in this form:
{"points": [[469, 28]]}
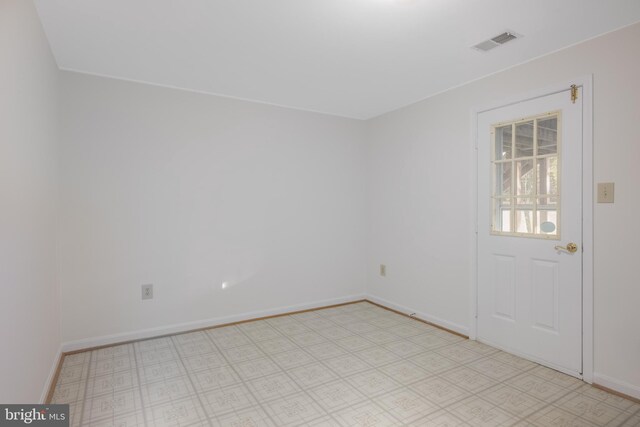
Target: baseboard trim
{"points": [[109, 340], [52, 379], [432, 320], [617, 387]]}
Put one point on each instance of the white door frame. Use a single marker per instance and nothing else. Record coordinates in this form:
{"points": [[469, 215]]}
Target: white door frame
{"points": [[585, 85]]}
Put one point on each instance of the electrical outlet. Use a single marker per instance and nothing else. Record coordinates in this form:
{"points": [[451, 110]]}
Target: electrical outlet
{"points": [[147, 291], [383, 270]]}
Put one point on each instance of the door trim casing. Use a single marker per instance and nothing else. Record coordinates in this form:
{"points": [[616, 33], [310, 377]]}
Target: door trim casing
{"points": [[585, 83]]}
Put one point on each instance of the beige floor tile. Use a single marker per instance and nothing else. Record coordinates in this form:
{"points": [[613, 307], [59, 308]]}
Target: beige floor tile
{"points": [[243, 353], [336, 395], [556, 377], [512, 400], [352, 365], [135, 419], [494, 369], [294, 410], [366, 415], [184, 412], [346, 365], [439, 391], [458, 354], [406, 405], [252, 417], [255, 368], [277, 345], [293, 358], [405, 372], [311, 375], [433, 362], [373, 383], [591, 409], [468, 379], [161, 371], [273, 387], [403, 348], [214, 378], [633, 421], [481, 413], [377, 356], [108, 406], [325, 350], [609, 399], [553, 416], [441, 418], [69, 392], [229, 399]]}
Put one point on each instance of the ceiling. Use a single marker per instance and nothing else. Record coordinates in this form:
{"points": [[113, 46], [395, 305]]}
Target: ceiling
{"points": [[352, 58]]}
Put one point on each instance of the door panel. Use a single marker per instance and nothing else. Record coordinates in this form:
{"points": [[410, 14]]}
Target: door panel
{"points": [[545, 294], [529, 202]]}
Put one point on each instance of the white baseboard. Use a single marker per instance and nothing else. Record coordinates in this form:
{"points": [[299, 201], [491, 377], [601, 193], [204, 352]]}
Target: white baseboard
{"points": [[617, 385], [420, 315], [206, 323], [50, 378]]}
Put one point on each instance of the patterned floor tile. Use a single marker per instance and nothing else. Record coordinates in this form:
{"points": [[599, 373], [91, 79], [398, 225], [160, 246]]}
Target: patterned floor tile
{"points": [[440, 418], [312, 375], [336, 395], [273, 387], [252, 417], [439, 391], [351, 365], [590, 409], [366, 415], [228, 399], [406, 405], [294, 410], [161, 371], [184, 412], [100, 408], [478, 412], [405, 372], [292, 359], [373, 383], [256, 368], [346, 365], [214, 378], [512, 400]]}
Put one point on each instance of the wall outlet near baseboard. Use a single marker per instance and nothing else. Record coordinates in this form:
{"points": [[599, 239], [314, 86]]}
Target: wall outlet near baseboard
{"points": [[147, 291], [383, 270]]}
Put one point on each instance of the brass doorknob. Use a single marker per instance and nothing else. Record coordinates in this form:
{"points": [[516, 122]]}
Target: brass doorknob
{"points": [[571, 248]]}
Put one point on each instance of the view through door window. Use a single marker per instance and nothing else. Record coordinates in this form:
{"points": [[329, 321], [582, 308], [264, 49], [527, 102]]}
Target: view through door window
{"points": [[525, 167]]}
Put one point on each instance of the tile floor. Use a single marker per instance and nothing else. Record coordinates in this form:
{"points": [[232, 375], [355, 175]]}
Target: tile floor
{"points": [[353, 365]]}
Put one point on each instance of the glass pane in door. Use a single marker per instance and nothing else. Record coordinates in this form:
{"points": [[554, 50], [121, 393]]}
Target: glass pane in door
{"points": [[526, 177]]}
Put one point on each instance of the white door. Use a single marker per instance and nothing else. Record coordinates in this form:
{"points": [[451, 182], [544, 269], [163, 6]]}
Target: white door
{"points": [[529, 211]]}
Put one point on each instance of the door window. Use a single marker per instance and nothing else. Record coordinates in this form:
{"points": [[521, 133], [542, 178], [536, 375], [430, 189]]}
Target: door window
{"points": [[526, 177]]}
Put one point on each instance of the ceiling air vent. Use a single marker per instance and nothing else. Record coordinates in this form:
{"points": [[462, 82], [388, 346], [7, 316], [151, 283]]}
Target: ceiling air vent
{"points": [[496, 41]]}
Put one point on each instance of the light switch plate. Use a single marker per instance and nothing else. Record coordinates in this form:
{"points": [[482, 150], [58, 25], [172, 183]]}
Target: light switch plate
{"points": [[605, 192]]}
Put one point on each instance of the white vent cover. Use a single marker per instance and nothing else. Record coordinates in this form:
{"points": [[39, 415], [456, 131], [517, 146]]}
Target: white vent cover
{"points": [[496, 41]]}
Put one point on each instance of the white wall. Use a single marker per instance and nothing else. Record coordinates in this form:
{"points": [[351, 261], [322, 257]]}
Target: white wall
{"points": [[420, 189], [188, 191], [29, 315]]}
